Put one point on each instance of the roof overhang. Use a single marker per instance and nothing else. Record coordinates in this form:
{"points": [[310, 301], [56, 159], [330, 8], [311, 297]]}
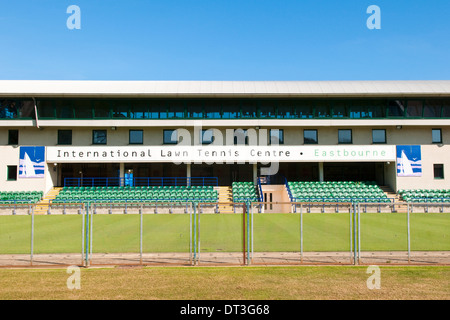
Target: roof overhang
{"points": [[224, 89]]}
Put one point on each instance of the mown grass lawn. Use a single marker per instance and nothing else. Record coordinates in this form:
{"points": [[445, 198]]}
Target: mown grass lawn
{"points": [[223, 232]]}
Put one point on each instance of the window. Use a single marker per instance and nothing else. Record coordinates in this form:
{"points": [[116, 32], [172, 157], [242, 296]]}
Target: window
{"points": [[396, 108], [310, 136], [136, 137], [276, 136], [438, 171], [436, 135], [378, 136], [432, 108], [13, 137], [240, 137], [415, 108], [65, 137], [207, 136], [170, 137], [99, 137], [11, 173], [345, 136]]}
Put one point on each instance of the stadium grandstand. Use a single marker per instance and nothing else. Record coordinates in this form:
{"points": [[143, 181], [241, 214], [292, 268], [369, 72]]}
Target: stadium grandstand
{"points": [[224, 141]]}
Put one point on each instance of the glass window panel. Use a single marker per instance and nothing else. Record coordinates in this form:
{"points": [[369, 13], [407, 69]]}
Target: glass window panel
{"points": [[396, 108], [170, 136], [230, 109], [267, 109], [213, 109], [249, 109], [240, 137], [432, 108], [11, 173], [46, 109], [99, 137], [310, 136], [379, 136], [13, 137], [194, 109], [436, 135], [121, 109], [414, 108], [438, 171], [65, 137], [285, 110], [102, 109], [340, 110], [304, 109], [136, 137], [276, 136], [322, 109], [175, 110], [82, 108], [207, 136], [139, 110], [446, 109], [345, 136], [157, 110]]}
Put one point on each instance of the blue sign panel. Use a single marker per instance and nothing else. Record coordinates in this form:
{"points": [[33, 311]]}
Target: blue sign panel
{"points": [[409, 161], [32, 162]]}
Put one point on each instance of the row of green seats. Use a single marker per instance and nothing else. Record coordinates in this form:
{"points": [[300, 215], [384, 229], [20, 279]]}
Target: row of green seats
{"points": [[7, 197], [334, 191], [244, 191], [425, 195]]}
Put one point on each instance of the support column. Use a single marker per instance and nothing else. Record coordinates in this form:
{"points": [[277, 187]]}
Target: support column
{"points": [[122, 173], [255, 173], [321, 171], [188, 174]]}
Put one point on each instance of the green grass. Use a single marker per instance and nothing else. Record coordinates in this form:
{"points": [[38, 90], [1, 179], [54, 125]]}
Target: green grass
{"points": [[228, 283], [223, 232]]}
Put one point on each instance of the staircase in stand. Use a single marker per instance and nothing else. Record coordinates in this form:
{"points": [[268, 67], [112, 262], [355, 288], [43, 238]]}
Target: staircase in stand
{"points": [[42, 206], [400, 204], [225, 194]]}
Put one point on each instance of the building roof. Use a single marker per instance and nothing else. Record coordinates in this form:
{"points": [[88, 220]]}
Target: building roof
{"points": [[80, 88]]}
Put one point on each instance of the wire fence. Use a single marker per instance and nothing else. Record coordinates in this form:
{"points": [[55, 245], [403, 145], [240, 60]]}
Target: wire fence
{"points": [[229, 233]]}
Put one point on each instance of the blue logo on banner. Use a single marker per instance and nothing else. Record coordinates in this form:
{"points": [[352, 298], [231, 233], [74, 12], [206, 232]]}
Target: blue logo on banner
{"points": [[32, 162], [409, 161]]}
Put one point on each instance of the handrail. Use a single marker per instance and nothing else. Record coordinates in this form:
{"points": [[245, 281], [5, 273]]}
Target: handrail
{"points": [[260, 190], [141, 181]]}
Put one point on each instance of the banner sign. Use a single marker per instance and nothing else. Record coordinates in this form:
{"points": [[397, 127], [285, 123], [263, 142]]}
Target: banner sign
{"points": [[222, 154], [31, 162], [409, 161]]}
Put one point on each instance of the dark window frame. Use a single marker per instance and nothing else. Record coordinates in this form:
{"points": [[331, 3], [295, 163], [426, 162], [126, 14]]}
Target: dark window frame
{"points": [[60, 138], [13, 141], [142, 136], [440, 136], [379, 142], [95, 142], [438, 175], [11, 173], [171, 141], [311, 130], [339, 136]]}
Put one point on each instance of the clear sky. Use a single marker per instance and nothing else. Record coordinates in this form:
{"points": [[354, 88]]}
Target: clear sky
{"points": [[225, 40]]}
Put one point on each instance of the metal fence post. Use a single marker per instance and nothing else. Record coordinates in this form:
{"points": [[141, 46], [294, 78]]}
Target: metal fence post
{"points": [[140, 231], [409, 235], [301, 232], [32, 236]]}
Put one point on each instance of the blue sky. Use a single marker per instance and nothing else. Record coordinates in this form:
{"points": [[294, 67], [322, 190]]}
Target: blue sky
{"points": [[225, 40]]}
